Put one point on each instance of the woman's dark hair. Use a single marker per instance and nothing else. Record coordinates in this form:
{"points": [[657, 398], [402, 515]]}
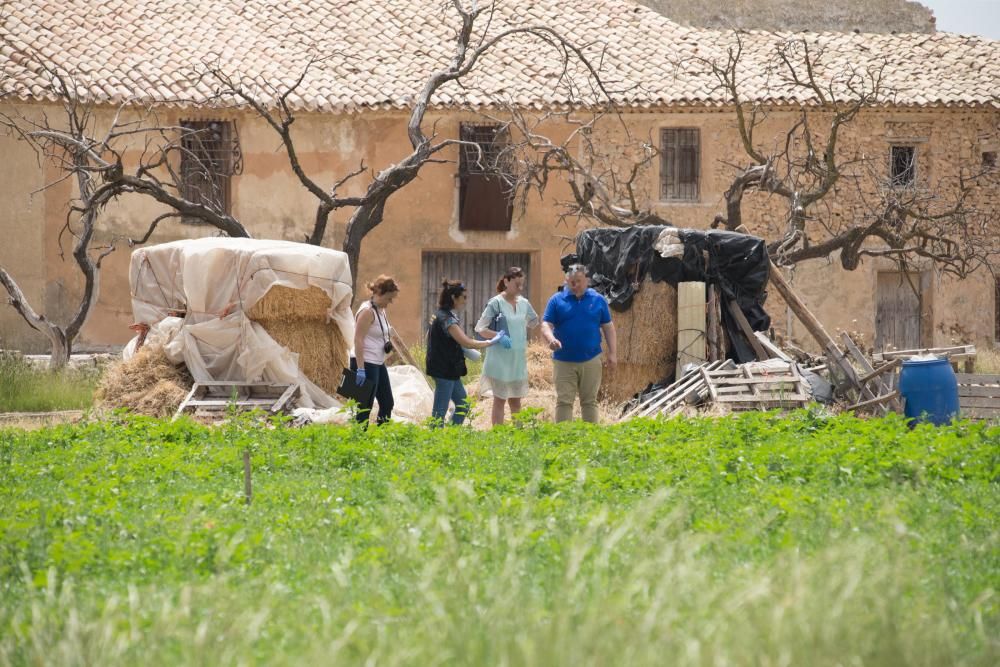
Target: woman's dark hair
{"points": [[512, 272], [382, 285], [450, 290]]}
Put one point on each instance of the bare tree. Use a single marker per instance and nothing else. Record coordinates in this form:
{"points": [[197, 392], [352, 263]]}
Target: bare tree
{"points": [[94, 160], [809, 167], [608, 180], [796, 159], [272, 104]]}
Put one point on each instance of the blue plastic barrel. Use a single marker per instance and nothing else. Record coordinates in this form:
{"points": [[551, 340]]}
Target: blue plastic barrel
{"points": [[930, 389]]}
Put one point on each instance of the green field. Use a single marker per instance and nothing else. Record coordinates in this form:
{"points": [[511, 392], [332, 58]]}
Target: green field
{"points": [[757, 540]]}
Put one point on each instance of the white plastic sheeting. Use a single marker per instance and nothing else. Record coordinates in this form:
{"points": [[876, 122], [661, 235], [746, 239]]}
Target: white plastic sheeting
{"points": [[412, 395], [214, 282]]}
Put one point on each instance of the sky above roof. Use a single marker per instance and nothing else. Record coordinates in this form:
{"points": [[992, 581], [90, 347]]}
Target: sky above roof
{"points": [[969, 17]]}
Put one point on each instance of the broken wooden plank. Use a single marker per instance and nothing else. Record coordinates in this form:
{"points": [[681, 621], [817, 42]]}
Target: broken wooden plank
{"points": [[713, 306], [884, 368], [878, 400], [862, 361], [673, 395], [837, 361], [741, 321], [991, 414], [977, 378], [972, 390], [660, 396], [772, 349], [399, 346], [285, 399], [957, 351]]}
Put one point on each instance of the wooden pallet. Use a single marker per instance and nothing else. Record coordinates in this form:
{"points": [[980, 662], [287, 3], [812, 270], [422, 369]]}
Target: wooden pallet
{"points": [[979, 396], [668, 401], [218, 396], [773, 384], [876, 387]]}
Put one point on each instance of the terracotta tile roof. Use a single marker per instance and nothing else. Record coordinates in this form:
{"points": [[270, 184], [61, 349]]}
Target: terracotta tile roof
{"points": [[378, 53]]}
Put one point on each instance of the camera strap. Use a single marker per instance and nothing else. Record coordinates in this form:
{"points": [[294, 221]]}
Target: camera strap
{"points": [[385, 338]]}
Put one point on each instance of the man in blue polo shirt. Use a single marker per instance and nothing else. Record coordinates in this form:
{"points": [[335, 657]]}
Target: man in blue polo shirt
{"points": [[574, 319]]}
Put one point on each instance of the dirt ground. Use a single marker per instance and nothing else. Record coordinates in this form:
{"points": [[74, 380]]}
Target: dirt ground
{"points": [[541, 393]]}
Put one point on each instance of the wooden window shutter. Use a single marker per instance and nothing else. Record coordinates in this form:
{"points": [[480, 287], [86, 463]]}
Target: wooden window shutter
{"points": [[680, 163], [486, 190]]}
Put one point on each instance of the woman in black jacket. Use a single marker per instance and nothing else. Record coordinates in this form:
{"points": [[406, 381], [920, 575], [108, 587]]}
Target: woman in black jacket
{"points": [[445, 358]]}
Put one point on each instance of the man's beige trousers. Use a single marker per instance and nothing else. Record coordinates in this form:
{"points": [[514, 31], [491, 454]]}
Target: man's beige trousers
{"points": [[572, 378]]}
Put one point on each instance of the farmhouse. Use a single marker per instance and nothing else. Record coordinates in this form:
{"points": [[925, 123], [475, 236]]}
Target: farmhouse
{"points": [[352, 71]]}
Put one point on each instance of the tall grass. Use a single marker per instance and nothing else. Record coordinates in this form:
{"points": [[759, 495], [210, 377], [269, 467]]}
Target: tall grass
{"points": [[27, 389], [987, 361], [749, 540], [629, 590]]}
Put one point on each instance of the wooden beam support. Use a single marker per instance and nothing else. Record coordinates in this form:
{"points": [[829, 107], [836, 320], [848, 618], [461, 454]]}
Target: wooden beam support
{"points": [[816, 329], [895, 363], [716, 344], [404, 352], [741, 320]]}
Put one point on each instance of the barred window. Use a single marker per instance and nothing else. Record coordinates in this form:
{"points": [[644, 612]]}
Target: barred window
{"points": [[210, 156], [680, 162], [903, 166], [486, 188]]}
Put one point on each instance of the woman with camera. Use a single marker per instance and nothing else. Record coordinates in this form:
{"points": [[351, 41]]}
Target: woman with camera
{"points": [[447, 345], [371, 346]]}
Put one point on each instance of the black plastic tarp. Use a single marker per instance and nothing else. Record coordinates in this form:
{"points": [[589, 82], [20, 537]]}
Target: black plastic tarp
{"points": [[619, 259]]}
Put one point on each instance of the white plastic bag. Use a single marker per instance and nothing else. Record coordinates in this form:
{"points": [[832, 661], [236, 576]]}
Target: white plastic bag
{"points": [[413, 396]]}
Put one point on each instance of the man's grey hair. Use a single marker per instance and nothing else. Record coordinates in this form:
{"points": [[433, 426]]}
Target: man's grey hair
{"points": [[574, 269]]}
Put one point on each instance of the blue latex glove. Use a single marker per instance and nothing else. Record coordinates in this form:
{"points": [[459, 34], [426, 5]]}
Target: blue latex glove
{"points": [[505, 341], [499, 338], [359, 377]]}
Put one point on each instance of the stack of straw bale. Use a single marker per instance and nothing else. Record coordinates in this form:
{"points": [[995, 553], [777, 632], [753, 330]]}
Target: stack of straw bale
{"points": [[148, 384], [297, 319], [647, 341]]}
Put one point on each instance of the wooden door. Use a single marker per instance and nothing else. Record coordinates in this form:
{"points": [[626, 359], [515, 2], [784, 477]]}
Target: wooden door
{"points": [[897, 311], [479, 271]]}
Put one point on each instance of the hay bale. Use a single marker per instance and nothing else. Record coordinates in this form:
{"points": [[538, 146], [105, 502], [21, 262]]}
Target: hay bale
{"points": [[297, 320], [148, 383], [282, 303], [162, 400], [647, 341], [539, 358]]}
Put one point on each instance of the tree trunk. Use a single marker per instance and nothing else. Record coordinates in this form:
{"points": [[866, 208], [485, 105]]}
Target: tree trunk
{"points": [[62, 348]]}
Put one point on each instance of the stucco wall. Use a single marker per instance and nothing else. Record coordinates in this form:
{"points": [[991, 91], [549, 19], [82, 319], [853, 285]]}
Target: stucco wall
{"points": [[22, 229], [814, 15], [424, 217]]}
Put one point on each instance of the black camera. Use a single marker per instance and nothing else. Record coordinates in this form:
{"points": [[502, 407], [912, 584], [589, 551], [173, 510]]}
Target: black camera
{"points": [[387, 347]]}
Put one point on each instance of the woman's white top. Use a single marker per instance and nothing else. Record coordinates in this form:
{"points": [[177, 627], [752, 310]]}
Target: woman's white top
{"points": [[377, 335]]}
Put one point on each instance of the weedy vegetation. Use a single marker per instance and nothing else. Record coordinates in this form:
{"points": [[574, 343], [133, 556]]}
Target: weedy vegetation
{"points": [[756, 539], [24, 388]]}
